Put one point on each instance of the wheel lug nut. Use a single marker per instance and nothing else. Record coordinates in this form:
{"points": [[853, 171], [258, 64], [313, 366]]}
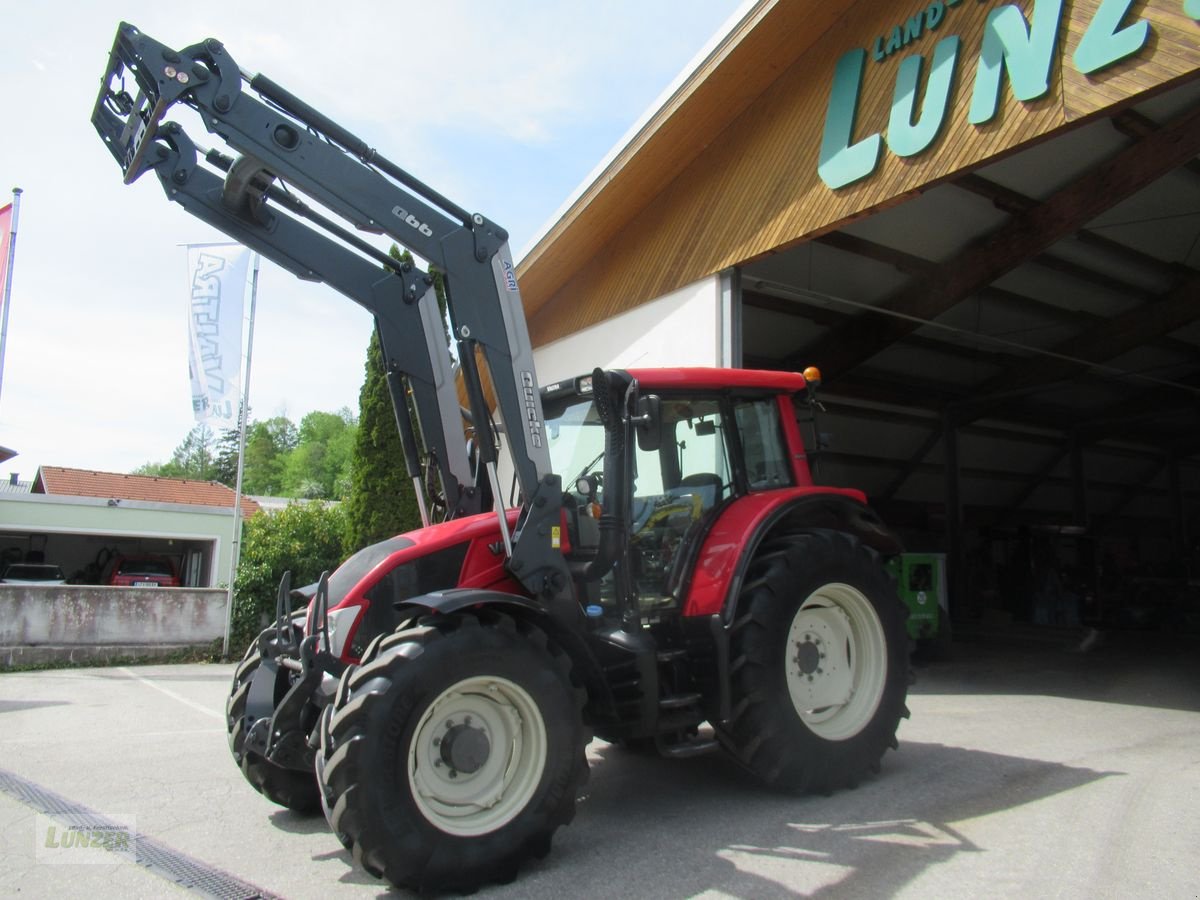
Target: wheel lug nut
{"points": [[453, 774], [437, 742]]}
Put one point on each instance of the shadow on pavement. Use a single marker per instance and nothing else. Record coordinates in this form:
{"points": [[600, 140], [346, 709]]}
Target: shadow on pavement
{"points": [[877, 838], [15, 705], [654, 828], [344, 869]]}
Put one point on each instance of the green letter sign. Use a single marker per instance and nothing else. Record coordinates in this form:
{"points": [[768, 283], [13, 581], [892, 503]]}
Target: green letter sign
{"points": [[904, 137], [840, 163], [1102, 44], [1026, 51]]}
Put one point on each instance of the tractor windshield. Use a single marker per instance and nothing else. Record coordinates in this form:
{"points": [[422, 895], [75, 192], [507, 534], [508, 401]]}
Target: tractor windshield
{"points": [[576, 439]]}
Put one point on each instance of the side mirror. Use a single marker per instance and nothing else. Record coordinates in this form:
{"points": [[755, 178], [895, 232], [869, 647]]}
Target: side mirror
{"points": [[649, 422]]}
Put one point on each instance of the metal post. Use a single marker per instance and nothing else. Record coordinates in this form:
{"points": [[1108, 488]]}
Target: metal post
{"points": [[237, 494], [1078, 482], [8, 278], [1179, 535], [956, 569]]}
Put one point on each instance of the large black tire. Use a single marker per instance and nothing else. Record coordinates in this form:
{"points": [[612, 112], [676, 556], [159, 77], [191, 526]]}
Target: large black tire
{"points": [[454, 752], [819, 663], [290, 788]]}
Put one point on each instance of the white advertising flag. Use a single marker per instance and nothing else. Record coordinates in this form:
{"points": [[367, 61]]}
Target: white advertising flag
{"points": [[6, 216], [216, 288]]}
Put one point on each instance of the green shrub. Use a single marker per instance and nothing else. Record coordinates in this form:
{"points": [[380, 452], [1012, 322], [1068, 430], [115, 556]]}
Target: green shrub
{"points": [[305, 538]]}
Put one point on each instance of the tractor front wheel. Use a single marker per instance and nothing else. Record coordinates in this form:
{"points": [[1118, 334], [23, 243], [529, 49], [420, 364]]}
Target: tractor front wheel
{"points": [[819, 663], [454, 752]]}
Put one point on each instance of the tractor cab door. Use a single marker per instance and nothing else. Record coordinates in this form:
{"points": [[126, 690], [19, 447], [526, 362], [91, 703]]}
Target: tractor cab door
{"points": [[711, 449]]}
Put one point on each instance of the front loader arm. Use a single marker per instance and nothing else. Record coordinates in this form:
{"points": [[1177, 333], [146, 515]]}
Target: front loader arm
{"points": [[400, 296], [288, 149]]}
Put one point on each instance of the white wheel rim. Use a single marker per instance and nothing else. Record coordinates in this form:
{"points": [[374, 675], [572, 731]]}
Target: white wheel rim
{"points": [[477, 756], [836, 661]]}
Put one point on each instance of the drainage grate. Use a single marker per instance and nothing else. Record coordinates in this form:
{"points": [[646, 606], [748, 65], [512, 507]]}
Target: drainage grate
{"points": [[151, 855]]}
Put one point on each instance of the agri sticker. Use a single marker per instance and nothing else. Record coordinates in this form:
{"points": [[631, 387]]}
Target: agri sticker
{"points": [[89, 840]]}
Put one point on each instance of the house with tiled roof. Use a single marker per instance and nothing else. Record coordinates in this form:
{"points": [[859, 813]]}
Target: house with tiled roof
{"points": [[149, 488], [83, 520]]}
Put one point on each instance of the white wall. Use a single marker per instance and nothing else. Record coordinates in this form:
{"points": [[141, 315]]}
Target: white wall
{"points": [[44, 623], [688, 327]]}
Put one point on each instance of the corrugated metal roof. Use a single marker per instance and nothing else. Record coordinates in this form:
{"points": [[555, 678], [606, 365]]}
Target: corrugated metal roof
{"points": [[113, 485], [10, 486]]}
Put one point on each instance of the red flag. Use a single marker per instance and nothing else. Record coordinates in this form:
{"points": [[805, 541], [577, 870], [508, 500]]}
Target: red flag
{"points": [[5, 235]]}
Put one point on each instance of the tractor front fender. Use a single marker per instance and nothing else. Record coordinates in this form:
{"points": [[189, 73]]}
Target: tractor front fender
{"points": [[733, 540]]}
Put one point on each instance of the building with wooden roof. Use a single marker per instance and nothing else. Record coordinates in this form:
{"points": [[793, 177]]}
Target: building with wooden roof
{"points": [[981, 220]]}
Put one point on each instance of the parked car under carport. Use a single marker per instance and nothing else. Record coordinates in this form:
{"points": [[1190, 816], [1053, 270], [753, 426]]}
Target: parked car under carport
{"points": [[33, 573]]}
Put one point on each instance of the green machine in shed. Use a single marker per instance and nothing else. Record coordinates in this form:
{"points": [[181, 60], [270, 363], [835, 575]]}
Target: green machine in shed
{"points": [[921, 584]]}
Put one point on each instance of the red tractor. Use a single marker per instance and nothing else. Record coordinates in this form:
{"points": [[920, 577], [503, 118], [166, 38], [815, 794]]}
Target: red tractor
{"points": [[688, 587]]}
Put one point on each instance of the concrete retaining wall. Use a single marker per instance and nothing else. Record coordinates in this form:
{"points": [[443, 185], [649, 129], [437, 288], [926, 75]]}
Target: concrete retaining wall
{"points": [[80, 622]]}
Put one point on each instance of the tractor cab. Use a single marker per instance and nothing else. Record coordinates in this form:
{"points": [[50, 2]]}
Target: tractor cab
{"points": [[706, 438]]}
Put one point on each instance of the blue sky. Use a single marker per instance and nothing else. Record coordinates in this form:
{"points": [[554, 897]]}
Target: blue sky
{"points": [[504, 108]]}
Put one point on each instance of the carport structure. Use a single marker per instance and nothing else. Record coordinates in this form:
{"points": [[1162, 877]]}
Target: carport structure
{"points": [[84, 521], [1004, 305]]}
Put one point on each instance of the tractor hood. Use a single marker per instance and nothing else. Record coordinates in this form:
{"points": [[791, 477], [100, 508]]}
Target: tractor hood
{"points": [[365, 568]]}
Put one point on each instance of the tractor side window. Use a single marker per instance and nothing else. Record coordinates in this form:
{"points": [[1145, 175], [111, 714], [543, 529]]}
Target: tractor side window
{"points": [[763, 444], [703, 454], [693, 456], [688, 474]]}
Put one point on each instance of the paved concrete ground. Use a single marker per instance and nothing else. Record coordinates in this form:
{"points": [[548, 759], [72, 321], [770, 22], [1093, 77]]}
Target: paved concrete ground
{"points": [[1025, 771]]}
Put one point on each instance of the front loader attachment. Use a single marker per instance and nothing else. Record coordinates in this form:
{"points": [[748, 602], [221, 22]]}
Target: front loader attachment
{"points": [[303, 191]]}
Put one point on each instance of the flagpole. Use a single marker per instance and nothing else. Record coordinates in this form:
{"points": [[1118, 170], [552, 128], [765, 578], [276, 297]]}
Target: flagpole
{"points": [[237, 494], [7, 299]]}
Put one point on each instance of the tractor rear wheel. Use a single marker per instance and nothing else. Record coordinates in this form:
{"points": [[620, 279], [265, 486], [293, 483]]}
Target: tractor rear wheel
{"points": [[454, 752], [819, 663], [288, 787]]}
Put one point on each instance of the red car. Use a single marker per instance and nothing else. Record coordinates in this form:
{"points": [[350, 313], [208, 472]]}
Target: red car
{"points": [[144, 571]]}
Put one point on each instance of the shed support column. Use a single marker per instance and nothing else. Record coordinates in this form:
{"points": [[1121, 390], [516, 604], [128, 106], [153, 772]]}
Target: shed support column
{"points": [[1179, 536], [955, 562], [1078, 483], [1085, 551]]}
